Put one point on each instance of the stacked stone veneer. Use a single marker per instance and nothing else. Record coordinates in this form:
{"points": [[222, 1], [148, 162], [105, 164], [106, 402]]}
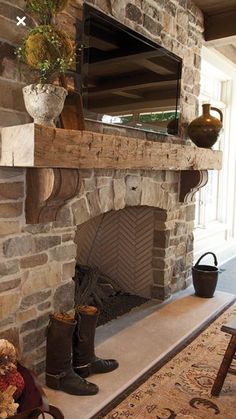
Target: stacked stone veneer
{"points": [[37, 262]]}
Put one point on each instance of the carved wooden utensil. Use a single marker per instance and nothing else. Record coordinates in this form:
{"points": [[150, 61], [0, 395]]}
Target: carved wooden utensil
{"points": [[72, 116]]}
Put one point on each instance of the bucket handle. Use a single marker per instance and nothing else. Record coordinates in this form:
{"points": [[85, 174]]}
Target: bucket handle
{"points": [[207, 253]]}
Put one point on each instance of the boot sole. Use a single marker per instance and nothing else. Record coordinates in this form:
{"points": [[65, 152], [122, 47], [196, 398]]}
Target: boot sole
{"points": [[54, 384]]}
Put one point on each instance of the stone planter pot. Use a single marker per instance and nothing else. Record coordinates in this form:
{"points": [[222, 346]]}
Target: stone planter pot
{"points": [[44, 102]]}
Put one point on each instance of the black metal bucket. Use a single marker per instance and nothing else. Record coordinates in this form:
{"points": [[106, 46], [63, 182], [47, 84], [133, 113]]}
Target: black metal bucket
{"points": [[205, 277]]}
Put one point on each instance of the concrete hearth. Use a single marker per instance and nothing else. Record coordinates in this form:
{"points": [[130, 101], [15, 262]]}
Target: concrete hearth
{"points": [[139, 340]]}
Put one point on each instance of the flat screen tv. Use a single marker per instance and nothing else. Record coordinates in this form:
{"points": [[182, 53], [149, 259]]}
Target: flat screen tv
{"points": [[126, 79]]}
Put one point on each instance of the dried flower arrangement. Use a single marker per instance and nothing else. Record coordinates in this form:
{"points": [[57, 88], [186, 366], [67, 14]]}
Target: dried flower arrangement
{"points": [[48, 50], [8, 407], [11, 381]]}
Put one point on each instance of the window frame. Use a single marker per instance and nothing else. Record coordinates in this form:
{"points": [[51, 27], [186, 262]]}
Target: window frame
{"points": [[221, 232]]}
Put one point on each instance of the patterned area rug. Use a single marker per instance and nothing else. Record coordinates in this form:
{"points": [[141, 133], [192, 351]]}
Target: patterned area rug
{"points": [[182, 387]]}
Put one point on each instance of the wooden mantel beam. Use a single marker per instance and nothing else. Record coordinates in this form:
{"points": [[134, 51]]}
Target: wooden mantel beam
{"points": [[53, 157], [33, 145], [221, 25]]}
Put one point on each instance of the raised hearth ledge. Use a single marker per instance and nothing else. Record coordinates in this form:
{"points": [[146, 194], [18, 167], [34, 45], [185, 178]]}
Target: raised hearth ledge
{"points": [[33, 145]]}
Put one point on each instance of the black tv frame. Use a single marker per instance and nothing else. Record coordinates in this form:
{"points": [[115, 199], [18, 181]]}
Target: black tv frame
{"points": [[82, 69]]}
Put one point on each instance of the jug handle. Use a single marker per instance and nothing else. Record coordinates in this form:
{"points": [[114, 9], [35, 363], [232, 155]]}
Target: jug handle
{"points": [[219, 112], [207, 253]]}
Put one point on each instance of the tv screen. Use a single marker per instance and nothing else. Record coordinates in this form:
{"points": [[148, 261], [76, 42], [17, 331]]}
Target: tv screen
{"points": [[126, 79]]}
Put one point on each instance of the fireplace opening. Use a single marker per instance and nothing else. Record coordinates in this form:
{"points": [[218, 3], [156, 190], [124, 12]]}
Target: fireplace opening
{"points": [[94, 288], [120, 245], [143, 251]]}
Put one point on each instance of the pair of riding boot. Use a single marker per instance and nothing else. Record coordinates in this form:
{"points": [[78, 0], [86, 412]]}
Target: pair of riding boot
{"points": [[70, 356]]}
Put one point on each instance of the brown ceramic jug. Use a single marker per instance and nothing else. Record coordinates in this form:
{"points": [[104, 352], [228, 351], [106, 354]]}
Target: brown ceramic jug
{"points": [[205, 129]]}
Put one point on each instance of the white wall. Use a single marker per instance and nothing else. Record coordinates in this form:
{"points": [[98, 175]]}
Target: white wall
{"points": [[220, 236]]}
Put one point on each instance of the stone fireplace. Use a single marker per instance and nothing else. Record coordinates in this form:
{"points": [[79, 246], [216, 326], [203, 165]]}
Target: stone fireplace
{"points": [[143, 240], [62, 201]]}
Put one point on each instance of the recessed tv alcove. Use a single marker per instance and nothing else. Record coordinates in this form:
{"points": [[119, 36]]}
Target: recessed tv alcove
{"points": [[126, 79]]}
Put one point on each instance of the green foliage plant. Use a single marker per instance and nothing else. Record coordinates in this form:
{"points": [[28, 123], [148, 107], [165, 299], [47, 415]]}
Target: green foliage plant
{"points": [[46, 50], [45, 10]]}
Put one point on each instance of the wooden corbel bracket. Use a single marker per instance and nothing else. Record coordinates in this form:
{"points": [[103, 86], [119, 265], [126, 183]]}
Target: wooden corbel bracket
{"points": [[47, 191], [190, 182]]}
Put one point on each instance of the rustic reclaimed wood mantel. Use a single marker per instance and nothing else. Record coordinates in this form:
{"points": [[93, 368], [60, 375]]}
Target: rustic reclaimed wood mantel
{"points": [[32, 145], [54, 156]]}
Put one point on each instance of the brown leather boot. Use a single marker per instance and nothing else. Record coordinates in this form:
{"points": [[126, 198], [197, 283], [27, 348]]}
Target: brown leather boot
{"points": [[59, 371], [85, 362]]}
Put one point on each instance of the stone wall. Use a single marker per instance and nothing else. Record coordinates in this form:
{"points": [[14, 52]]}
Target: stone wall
{"points": [[37, 262], [36, 266]]}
